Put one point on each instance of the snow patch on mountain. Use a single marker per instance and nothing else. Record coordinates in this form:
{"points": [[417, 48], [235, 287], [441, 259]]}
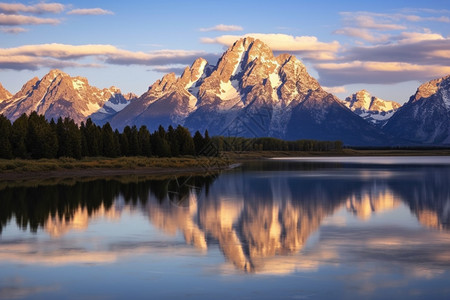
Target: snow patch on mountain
{"points": [[77, 84], [201, 71], [229, 90], [114, 106], [446, 98]]}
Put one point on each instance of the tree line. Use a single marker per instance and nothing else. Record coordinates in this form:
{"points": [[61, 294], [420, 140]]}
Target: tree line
{"points": [[33, 136], [273, 144]]}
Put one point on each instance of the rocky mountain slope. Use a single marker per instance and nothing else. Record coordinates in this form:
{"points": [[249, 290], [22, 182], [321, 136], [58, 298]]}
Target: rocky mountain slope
{"points": [[4, 93], [59, 95], [249, 93], [372, 109], [425, 118]]}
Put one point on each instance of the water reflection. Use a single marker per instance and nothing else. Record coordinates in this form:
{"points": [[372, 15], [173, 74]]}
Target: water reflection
{"points": [[261, 220]]}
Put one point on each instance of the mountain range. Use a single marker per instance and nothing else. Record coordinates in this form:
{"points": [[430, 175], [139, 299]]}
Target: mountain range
{"points": [[59, 95], [249, 92]]}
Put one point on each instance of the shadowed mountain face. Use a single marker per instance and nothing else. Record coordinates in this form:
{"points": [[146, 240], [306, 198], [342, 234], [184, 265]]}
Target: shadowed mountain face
{"points": [[425, 118], [249, 93], [267, 211]]}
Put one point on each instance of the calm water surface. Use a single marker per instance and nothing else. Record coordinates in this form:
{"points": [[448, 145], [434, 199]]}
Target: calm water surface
{"points": [[371, 228]]}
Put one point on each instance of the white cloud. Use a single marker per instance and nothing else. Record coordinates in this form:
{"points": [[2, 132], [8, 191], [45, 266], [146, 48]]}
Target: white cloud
{"points": [[11, 20], [60, 55], [90, 11], [222, 27], [336, 74], [335, 89], [309, 47], [13, 30], [369, 20], [363, 34], [414, 37], [169, 69], [40, 8]]}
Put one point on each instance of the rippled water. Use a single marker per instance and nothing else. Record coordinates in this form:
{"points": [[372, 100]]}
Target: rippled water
{"points": [[277, 229]]}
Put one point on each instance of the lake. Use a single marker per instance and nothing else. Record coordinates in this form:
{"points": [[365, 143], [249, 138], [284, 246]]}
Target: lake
{"points": [[297, 228]]}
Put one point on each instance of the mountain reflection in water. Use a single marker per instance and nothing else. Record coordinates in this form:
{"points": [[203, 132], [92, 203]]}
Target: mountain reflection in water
{"points": [[259, 215]]}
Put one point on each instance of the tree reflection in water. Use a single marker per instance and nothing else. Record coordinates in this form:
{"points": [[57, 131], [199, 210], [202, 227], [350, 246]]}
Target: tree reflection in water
{"points": [[252, 214]]}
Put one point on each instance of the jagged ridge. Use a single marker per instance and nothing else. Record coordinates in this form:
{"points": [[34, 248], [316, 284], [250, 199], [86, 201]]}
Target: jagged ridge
{"points": [[372, 109], [425, 117], [59, 95], [249, 93]]}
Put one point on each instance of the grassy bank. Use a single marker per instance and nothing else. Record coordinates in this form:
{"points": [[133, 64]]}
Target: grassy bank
{"points": [[123, 166], [121, 163]]}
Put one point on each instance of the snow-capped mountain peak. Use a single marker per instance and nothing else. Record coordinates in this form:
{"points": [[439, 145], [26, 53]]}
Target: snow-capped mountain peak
{"points": [[373, 109], [58, 94]]}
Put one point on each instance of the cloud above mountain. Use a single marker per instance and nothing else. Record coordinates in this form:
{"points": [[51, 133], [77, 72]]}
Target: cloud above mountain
{"points": [[90, 11], [388, 48], [308, 47], [222, 27], [32, 57], [15, 14], [39, 8]]}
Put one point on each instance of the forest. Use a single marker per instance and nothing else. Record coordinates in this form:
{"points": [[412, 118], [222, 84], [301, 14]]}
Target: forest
{"points": [[34, 137]]}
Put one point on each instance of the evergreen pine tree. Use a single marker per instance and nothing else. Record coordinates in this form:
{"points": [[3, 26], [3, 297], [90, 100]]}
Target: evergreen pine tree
{"points": [[5, 138], [172, 139], [41, 140], [160, 145], [109, 147], [18, 137], [185, 141], [93, 138], [144, 141], [117, 142], [199, 143], [124, 147], [84, 145], [133, 142]]}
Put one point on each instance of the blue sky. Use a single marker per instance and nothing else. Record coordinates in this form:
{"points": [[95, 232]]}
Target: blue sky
{"points": [[386, 47]]}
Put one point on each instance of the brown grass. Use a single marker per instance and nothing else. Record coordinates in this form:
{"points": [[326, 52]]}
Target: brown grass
{"points": [[41, 165]]}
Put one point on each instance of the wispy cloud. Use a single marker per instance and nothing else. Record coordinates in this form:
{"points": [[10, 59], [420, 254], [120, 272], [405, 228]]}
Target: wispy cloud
{"points": [[90, 11], [18, 14], [337, 74], [13, 30], [335, 89], [12, 20], [222, 27], [309, 47], [32, 57], [363, 34], [410, 56], [367, 20], [168, 69], [386, 50], [40, 8]]}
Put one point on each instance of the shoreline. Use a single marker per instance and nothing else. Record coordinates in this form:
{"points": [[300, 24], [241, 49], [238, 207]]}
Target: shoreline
{"points": [[18, 169]]}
